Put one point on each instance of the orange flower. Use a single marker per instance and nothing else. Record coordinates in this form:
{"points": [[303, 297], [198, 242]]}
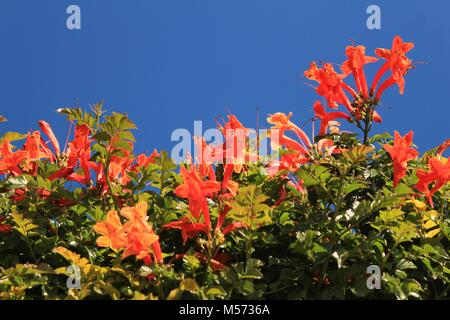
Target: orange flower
{"points": [[401, 153], [189, 229], [290, 161], [323, 147], [9, 160], [195, 189], [330, 85], [397, 62], [136, 236], [235, 150], [47, 129], [112, 232], [282, 123], [136, 213], [232, 226], [139, 240], [298, 152], [229, 185], [204, 158], [326, 117], [61, 173], [120, 165], [79, 151], [142, 161], [35, 149], [439, 173], [441, 149], [356, 60], [233, 159], [376, 117], [140, 234]]}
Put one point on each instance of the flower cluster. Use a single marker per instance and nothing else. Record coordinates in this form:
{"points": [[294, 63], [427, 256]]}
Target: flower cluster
{"points": [[136, 236]]}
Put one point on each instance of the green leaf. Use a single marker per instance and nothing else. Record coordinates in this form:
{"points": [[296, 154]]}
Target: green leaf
{"points": [[250, 208], [357, 154], [127, 135], [247, 287], [404, 264], [307, 178], [405, 231], [13, 136], [391, 216], [23, 225], [189, 285], [356, 185], [190, 263], [122, 144], [402, 190], [102, 136], [215, 292]]}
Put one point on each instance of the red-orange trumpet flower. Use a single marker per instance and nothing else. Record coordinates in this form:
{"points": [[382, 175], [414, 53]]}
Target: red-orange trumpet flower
{"points": [[326, 117], [439, 173], [356, 59], [401, 152], [330, 85], [397, 62]]}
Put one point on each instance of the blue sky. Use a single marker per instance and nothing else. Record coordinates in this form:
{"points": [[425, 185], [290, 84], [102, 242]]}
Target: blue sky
{"points": [[169, 62]]}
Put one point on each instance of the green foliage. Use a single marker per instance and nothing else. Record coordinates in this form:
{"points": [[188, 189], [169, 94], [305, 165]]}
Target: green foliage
{"points": [[314, 244]]}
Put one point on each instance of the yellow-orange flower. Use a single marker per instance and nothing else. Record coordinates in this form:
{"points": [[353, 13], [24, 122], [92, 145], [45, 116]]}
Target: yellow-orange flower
{"points": [[136, 235]]}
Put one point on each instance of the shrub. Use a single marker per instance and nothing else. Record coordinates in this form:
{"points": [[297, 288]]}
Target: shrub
{"points": [[93, 220]]}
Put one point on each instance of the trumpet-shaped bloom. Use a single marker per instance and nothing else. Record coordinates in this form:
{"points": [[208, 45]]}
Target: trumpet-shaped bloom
{"points": [[397, 62], [143, 161], [235, 150], [323, 147], [330, 85], [326, 117], [401, 152], [195, 189], [139, 240], [356, 59], [281, 123], [189, 229], [47, 129], [288, 162], [438, 173], [205, 158], [441, 149], [9, 160], [298, 152], [79, 151], [136, 236], [33, 147], [376, 117], [111, 230], [140, 233]]}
